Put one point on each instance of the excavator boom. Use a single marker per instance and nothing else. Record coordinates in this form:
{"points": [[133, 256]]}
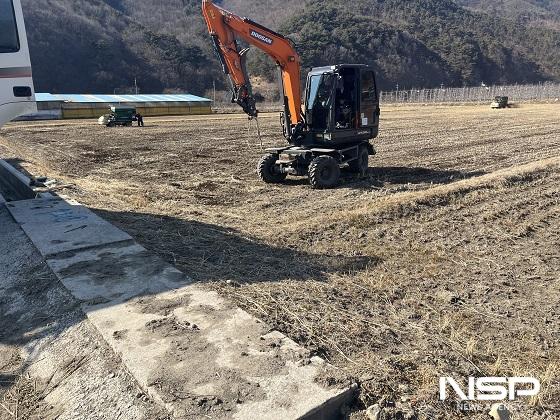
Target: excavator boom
{"points": [[226, 28]]}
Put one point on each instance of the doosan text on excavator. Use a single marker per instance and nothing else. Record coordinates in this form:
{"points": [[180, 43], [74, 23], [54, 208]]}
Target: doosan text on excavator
{"points": [[330, 131]]}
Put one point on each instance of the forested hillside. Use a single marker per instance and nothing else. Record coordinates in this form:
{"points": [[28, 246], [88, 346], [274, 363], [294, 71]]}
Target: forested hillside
{"points": [[102, 45], [426, 42], [533, 12]]}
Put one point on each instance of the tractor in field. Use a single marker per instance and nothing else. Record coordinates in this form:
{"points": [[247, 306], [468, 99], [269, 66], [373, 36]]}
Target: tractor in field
{"points": [[340, 113], [500, 102], [119, 115]]}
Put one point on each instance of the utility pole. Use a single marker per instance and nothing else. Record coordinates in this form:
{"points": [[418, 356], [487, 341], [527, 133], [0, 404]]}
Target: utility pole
{"points": [[214, 90], [135, 86]]}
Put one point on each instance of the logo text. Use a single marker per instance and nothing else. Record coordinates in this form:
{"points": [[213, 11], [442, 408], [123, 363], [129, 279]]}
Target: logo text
{"points": [[261, 37], [491, 388]]}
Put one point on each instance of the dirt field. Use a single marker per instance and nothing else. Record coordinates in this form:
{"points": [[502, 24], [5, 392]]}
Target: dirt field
{"points": [[443, 261]]}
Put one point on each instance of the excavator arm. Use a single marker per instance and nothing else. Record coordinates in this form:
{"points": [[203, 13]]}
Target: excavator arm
{"points": [[225, 29]]}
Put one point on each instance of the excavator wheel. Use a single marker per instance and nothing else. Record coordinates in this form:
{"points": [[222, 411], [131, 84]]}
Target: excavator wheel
{"points": [[360, 165], [269, 171], [324, 172]]}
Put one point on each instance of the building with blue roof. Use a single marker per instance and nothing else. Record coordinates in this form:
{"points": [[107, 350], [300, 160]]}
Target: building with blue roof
{"points": [[63, 106]]}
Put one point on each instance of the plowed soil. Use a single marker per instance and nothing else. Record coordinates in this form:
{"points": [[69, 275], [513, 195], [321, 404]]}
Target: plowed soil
{"points": [[443, 261]]}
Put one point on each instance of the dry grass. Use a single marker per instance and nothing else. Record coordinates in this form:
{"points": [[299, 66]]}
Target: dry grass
{"points": [[22, 400], [442, 261]]}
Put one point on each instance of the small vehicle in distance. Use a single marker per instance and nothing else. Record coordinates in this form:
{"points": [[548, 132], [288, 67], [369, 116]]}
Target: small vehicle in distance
{"points": [[500, 102], [120, 115]]}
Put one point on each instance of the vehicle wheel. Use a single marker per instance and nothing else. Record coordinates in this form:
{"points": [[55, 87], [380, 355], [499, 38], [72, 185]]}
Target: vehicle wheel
{"points": [[360, 165], [324, 172], [268, 170]]}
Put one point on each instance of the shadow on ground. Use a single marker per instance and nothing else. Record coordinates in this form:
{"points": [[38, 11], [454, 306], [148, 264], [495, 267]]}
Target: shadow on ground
{"points": [[205, 252], [213, 253], [402, 175], [379, 177], [34, 305]]}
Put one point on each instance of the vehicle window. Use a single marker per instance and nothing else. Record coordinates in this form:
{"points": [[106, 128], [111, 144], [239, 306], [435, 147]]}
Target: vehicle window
{"points": [[346, 102], [369, 100], [9, 40], [313, 87], [318, 100], [368, 86]]}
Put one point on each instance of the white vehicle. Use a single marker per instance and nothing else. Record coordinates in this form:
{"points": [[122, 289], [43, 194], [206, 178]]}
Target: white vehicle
{"points": [[17, 96]]}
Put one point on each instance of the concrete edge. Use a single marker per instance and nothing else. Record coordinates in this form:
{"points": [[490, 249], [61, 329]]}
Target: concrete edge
{"points": [[14, 172], [15, 182], [21, 185], [331, 408]]}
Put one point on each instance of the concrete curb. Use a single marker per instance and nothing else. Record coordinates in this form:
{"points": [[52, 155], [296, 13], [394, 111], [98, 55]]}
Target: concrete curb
{"points": [[188, 348], [14, 181]]}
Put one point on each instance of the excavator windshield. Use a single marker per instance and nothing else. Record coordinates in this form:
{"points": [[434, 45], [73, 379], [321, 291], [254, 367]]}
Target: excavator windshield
{"points": [[319, 96]]}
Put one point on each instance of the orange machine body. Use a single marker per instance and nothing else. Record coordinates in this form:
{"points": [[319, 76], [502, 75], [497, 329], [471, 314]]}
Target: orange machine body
{"points": [[225, 28]]}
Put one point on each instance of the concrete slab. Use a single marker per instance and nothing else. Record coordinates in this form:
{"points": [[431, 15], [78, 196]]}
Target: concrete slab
{"points": [[189, 348], [44, 334], [56, 226], [115, 273], [47, 210]]}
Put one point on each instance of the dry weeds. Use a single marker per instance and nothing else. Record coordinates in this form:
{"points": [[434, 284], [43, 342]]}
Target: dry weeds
{"points": [[442, 261], [22, 400]]}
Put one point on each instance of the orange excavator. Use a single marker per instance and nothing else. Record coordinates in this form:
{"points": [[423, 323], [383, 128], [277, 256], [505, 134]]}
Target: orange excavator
{"points": [[340, 113]]}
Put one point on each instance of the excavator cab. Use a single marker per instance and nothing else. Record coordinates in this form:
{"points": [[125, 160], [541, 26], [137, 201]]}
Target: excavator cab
{"points": [[341, 105], [341, 116]]}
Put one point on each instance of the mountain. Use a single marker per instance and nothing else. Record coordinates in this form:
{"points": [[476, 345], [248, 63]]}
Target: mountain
{"points": [[103, 45], [533, 12], [426, 42]]}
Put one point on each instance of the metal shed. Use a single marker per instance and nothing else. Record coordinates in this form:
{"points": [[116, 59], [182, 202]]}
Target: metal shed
{"points": [[64, 106]]}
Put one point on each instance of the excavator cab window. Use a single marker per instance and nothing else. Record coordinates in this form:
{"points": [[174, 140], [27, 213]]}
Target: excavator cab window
{"points": [[346, 104], [369, 101], [319, 97], [9, 40]]}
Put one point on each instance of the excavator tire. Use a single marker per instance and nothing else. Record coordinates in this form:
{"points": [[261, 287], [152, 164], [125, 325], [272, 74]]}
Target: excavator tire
{"points": [[324, 172], [360, 165], [267, 170]]}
